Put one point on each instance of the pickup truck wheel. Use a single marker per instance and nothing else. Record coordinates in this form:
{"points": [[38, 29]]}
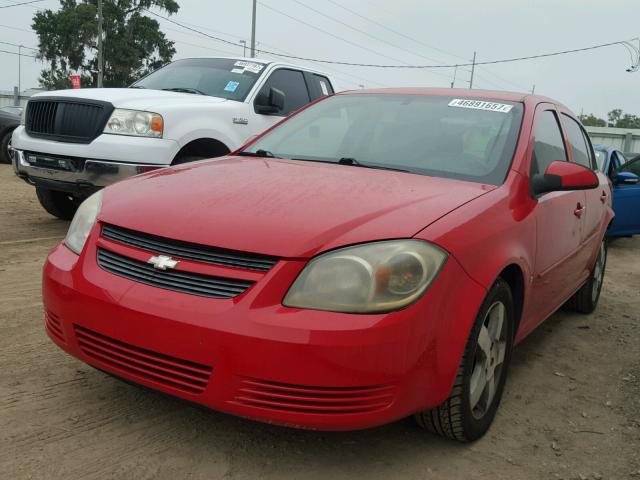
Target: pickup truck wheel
{"points": [[5, 141], [472, 404], [58, 204], [586, 299]]}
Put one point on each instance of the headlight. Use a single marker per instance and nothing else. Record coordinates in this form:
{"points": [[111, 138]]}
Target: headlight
{"points": [[370, 278], [83, 221], [136, 123], [23, 116]]}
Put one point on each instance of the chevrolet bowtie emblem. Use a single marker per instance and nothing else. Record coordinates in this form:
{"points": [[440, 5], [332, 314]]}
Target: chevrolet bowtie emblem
{"points": [[162, 262]]}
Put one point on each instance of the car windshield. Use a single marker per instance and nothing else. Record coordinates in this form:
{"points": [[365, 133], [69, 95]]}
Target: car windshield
{"points": [[601, 159], [430, 135], [219, 77]]}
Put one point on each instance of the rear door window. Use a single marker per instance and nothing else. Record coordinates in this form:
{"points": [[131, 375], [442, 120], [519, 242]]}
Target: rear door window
{"points": [[579, 144], [321, 86], [549, 146]]}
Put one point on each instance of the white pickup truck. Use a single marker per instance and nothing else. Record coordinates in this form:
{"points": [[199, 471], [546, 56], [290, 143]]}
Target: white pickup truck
{"points": [[73, 142]]}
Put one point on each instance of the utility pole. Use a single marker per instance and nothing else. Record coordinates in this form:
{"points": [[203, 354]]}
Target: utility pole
{"points": [[253, 30], [455, 71], [533, 90], [244, 47], [100, 59], [473, 68], [19, 68]]}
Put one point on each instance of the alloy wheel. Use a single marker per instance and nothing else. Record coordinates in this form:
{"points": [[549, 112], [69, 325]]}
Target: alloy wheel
{"points": [[491, 349]]}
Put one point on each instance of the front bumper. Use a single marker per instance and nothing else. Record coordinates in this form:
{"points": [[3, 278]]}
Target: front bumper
{"points": [[106, 160], [252, 357], [89, 177]]}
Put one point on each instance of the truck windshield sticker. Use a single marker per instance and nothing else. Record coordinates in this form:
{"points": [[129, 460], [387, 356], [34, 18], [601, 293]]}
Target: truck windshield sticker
{"points": [[237, 70], [231, 86], [481, 105], [248, 66]]}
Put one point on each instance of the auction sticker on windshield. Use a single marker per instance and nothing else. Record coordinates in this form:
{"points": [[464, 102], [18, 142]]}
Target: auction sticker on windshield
{"points": [[480, 105], [248, 66]]}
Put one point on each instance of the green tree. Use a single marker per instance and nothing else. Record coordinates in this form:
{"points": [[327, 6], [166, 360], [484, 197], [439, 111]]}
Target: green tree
{"points": [[592, 121], [133, 44], [614, 116]]}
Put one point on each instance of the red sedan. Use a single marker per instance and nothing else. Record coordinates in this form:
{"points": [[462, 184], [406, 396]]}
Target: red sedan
{"points": [[376, 255]]}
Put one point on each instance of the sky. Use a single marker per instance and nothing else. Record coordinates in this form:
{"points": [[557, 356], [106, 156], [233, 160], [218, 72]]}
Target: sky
{"points": [[410, 32]]}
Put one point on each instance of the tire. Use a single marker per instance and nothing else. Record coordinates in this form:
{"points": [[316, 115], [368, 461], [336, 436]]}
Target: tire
{"points": [[586, 299], [59, 204], [5, 140], [456, 418]]}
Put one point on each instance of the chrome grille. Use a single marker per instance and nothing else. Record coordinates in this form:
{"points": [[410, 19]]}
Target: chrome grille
{"points": [[179, 281], [188, 251]]}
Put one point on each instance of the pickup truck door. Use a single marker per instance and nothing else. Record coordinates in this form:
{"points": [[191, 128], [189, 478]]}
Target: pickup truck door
{"points": [[299, 89], [626, 198]]}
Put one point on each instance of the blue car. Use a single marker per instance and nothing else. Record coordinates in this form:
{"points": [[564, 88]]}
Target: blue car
{"points": [[625, 176]]}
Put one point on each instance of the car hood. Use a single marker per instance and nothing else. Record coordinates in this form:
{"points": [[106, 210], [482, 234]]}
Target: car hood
{"points": [[134, 98], [279, 207]]}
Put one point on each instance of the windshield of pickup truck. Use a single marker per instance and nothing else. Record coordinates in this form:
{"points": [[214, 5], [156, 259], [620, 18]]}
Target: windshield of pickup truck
{"points": [[218, 77], [451, 137]]}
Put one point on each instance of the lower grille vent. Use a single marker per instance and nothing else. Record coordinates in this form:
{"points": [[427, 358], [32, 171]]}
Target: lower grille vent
{"points": [[313, 400], [173, 372]]}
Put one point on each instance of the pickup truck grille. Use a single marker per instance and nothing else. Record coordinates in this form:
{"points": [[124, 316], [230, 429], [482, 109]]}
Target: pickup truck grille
{"points": [[188, 251], [176, 280], [67, 120]]}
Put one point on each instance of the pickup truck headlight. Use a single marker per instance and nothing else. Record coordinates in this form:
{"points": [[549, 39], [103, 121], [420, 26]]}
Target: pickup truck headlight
{"points": [[23, 116], [370, 278], [82, 223], [135, 123]]}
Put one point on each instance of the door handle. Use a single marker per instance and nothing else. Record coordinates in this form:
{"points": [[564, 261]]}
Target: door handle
{"points": [[579, 210], [603, 197]]}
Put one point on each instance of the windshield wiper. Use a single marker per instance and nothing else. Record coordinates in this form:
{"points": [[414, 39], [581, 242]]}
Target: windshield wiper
{"points": [[184, 90], [355, 163], [136, 86], [258, 153]]}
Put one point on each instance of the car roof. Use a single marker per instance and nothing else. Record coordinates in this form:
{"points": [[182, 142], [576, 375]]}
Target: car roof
{"points": [[462, 92], [262, 61]]}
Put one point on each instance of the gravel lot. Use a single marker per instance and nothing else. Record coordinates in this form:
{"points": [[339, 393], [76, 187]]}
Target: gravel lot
{"points": [[571, 408]]}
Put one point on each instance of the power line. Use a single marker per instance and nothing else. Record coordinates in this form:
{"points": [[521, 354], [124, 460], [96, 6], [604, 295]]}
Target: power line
{"points": [[18, 45], [362, 31], [340, 72], [377, 65], [16, 53], [22, 3], [18, 29], [327, 33]]}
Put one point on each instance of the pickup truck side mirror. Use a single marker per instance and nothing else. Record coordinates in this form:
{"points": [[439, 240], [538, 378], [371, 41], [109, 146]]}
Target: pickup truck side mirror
{"points": [[274, 103], [563, 176], [626, 178]]}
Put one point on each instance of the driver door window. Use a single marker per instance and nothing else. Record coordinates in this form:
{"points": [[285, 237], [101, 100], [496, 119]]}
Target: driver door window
{"points": [[292, 84]]}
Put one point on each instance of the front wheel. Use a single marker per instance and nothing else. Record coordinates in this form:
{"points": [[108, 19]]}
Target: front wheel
{"points": [[472, 404], [59, 204], [5, 142], [586, 299]]}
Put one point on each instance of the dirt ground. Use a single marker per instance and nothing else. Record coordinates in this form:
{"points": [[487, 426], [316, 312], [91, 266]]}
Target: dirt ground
{"points": [[571, 409]]}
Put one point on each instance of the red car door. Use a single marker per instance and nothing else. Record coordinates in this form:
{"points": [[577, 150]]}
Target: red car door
{"points": [[580, 151], [559, 225]]}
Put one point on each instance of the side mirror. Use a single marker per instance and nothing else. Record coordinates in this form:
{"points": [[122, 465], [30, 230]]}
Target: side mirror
{"points": [[563, 176], [274, 102], [626, 178]]}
